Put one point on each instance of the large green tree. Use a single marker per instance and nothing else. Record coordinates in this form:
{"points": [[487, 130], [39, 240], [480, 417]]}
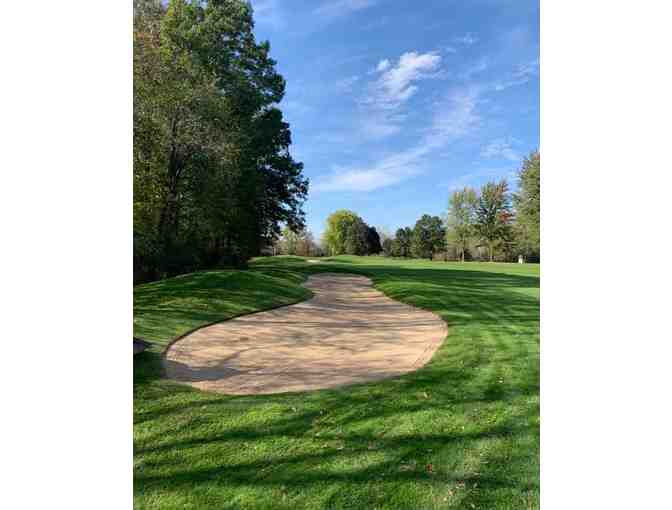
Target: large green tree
{"points": [[402, 242], [356, 238], [373, 245], [213, 176], [340, 227], [493, 216], [527, 205], [461, 220], [428, 236]]}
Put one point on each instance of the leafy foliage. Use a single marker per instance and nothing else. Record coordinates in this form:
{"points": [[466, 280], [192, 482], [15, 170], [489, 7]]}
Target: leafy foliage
{"points": [[213, 176], [299, 243], [428, 236], [373, 245], [388, 247], [356, 237], [347, 233], [461, 220], [402, 242], [338, 228], [493, 216], [527, 204]]}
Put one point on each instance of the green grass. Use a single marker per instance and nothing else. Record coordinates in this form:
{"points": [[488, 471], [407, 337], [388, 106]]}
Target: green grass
{"points": [[462, 432]]}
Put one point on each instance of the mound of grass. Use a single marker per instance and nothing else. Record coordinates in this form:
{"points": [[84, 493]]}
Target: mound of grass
{"points": [[169, 308], [462, 432]]}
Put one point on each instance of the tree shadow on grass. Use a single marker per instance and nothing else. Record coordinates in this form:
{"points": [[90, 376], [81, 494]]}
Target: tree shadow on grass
{"points": [[471, 413], [334, 442]]}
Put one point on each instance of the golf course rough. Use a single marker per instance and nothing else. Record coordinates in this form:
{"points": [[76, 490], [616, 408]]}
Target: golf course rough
{"points": [[348, 333]]}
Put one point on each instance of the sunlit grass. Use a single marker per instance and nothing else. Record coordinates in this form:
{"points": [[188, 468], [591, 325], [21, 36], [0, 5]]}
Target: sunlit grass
{"points": [[462, 431]]}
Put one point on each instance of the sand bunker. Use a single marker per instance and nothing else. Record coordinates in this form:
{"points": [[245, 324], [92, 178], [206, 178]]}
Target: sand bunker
{"points": [[347, 333]]}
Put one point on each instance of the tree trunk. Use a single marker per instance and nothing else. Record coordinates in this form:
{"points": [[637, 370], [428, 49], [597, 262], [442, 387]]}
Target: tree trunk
{"points": [[168, 216]]}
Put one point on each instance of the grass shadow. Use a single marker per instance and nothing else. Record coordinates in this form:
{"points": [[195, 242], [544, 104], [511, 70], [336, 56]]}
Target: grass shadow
{"points": [[462, 431]]}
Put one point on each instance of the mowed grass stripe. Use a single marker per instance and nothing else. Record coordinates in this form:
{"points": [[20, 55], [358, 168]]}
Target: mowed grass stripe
{"points": [[450, 435]]}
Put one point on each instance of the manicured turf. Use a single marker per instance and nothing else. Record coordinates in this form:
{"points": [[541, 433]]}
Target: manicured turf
{"points": [[462, 432]]}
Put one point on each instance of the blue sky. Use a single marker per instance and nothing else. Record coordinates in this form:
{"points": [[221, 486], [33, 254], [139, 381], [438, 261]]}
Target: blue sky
{"points": [[393, 104]]}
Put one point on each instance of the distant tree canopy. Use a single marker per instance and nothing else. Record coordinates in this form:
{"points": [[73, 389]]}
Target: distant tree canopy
{"points": [[339, 227], [297, 243], [213, 176], [388, 247], [494, 217], [504, 225], [479, 225], [373, 245], [402, 242], [347, 233], [355, 237], [461, 220], [527, 204], [428, 237]]}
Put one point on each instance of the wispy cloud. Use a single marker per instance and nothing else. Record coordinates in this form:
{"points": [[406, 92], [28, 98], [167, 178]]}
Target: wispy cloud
{"points": [[380, 124], [467, 39], [336, 9], [477, 67], [390, 170], [346, 84], [396, 83], [453, 118], [500, 149], [382, 65], [523, 74]]}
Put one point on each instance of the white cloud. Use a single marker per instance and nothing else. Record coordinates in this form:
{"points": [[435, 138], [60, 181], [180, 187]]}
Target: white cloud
{"points": [[395, 85], [383, 65], [391, 170], [467, 39], [340, 8], [500, 149], [453, 118]]}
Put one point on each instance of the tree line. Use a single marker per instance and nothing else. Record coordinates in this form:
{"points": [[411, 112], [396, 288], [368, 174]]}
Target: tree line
{"points": [[495, 224], [486, 224], [214, 180]]}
